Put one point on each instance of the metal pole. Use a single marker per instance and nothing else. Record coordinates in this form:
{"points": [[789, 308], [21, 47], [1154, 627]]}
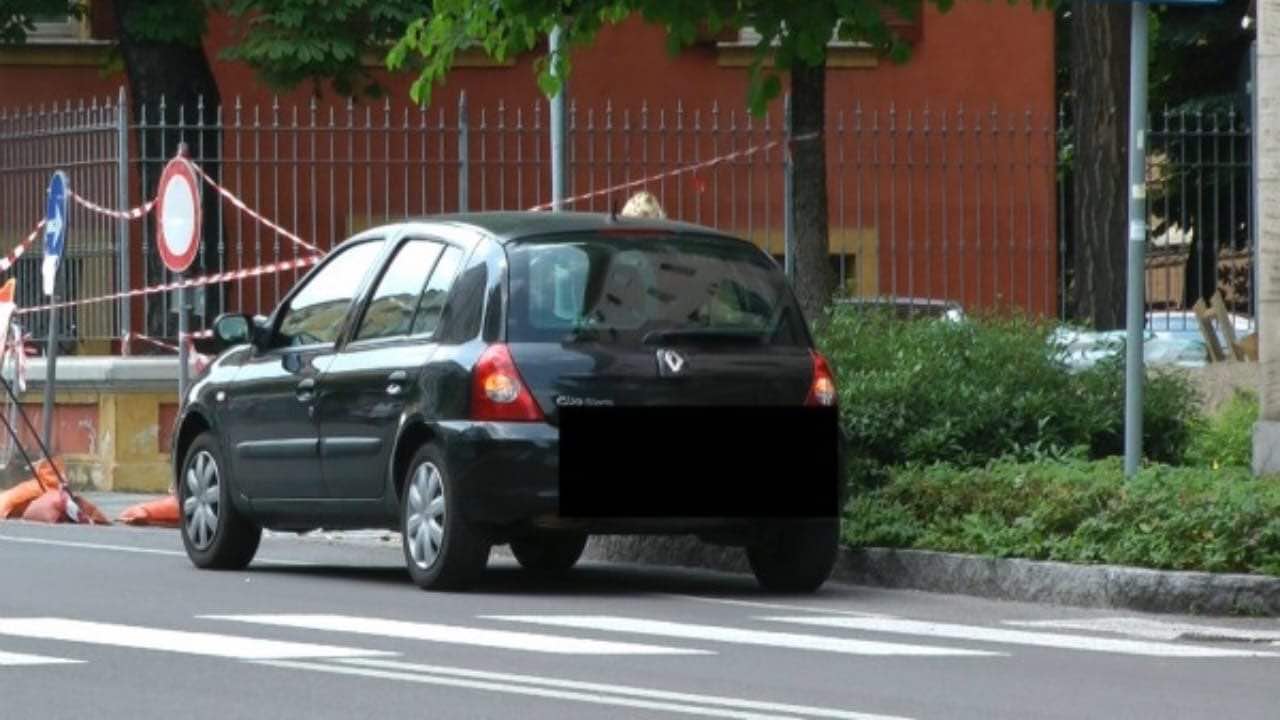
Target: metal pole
{"points": [[51, 362], [122, 224], [558, 127], [1253, 182], [463, 180], [1134, 371], [788, 201], [184, 380]]}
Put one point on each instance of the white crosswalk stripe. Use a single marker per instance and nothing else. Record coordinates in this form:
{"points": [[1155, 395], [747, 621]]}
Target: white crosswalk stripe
{"points": [[459, 635], [724, 634], [179, 641], [618, 696], [1020, 637], [10, 659]]}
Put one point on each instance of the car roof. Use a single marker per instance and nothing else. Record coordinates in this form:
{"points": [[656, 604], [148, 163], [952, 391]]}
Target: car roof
{"points": [[508, 226]]}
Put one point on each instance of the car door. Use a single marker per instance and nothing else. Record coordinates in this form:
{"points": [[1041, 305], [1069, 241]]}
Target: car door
{"points": [[271, 427], [364, 391]]}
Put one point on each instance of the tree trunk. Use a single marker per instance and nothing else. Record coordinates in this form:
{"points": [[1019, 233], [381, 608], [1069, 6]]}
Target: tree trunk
{"points": [[171, 85], [1100, 84], [815, 282]]}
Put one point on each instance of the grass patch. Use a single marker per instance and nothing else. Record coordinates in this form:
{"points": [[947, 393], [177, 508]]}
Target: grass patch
{"points": [[1176, 518]]}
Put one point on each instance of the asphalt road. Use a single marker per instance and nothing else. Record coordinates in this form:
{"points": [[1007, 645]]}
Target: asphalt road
{"points": [[114, 623]]}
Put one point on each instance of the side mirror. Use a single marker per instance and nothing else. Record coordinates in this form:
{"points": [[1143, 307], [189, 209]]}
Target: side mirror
{"points": [[233, 329]]}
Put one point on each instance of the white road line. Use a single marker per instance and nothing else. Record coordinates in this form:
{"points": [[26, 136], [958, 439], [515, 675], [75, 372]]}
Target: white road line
{"points": [[179, 641], [8, 658], [1020, 637], [717, 633], [623, 690], [459, 634], [1155, 629], [134, 549], [595, 698], [771, 606]]}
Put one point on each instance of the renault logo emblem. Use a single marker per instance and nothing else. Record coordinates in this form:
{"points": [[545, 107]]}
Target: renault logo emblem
{"points": [[673, 360]]}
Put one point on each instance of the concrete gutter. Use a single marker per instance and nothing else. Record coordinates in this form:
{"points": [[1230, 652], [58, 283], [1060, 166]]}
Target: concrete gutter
{"points": [[1096, 586]]}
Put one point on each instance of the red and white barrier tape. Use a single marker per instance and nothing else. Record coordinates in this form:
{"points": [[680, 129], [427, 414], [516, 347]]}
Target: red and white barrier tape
{"points": [[21, 248], [199, 360], [681, 170], [240, 204], [130, 214], [214, 279], [124, 342]]}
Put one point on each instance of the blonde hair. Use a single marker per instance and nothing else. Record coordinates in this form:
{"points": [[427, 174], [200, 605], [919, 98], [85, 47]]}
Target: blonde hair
{"points": [[643, 204]]}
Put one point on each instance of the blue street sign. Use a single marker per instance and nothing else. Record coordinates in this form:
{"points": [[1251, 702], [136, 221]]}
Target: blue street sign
{"points": [[55, 228]]}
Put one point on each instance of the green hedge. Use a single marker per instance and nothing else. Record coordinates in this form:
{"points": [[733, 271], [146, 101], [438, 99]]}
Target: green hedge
{"points": [[1078, 511], [1226, 439], [927, 391]]}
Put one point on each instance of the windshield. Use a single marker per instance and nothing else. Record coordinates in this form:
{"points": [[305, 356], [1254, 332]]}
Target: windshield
{"points": [[645, 289]]}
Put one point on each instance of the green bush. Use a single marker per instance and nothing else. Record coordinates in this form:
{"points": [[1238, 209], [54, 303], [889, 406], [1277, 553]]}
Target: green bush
{"points": [[1079, 511], [1226, 439], [965, 393]]}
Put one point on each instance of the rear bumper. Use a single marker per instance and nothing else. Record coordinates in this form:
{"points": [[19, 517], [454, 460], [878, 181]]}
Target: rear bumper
{"points": [[510, 476]]}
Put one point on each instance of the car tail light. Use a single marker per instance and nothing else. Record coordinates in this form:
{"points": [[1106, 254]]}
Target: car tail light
{"points": [[497, 390], [822, 392]]}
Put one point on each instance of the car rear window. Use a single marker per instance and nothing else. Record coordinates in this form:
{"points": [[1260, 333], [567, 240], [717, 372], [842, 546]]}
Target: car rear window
{"points": [[646, 289]]}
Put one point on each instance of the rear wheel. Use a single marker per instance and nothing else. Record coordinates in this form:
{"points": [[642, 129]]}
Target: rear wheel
{"points": [[549, 553], [796, 556], [215, 535], [442, 550]]}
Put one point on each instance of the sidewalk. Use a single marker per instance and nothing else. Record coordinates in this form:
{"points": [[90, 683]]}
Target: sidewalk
{"points": [[113, 503]]}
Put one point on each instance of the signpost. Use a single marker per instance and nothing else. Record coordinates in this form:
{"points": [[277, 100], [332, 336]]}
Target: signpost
{"points": [[1135, 317], [55, 237], [178, 210]]}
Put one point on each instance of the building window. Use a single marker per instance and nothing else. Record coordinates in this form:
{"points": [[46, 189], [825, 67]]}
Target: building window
{"points": [[737, 47], [52, 27]]}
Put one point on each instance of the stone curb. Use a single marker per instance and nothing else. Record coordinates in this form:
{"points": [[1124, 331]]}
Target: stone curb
{"points": [[1097, 586]]}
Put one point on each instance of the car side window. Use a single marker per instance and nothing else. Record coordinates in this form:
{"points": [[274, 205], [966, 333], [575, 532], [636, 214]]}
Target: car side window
{"points": [[431, 304], [395, 300], [314, 315]]}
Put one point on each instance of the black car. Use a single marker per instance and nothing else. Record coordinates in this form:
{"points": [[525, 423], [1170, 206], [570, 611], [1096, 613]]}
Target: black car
{"points": [[525, 379]]}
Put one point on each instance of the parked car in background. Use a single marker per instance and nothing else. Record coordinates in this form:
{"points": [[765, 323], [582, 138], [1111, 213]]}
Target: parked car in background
{"points": [[1171, 338], [905, 307], [423, 376]]}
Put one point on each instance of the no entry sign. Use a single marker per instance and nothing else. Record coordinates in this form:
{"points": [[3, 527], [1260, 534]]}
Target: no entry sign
{"points": [[178, 208]]}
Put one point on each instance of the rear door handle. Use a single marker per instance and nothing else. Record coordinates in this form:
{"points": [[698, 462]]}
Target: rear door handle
{"points": [[306, 390], [395, 382]]}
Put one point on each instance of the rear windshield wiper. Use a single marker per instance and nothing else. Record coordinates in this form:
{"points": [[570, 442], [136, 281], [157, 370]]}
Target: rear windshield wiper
{"points": [[676, 334]]}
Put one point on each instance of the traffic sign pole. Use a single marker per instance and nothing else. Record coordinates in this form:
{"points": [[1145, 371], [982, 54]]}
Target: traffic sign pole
{"points": [[55, 235], [50, 365], [178, 209], [184, 379], [1134, 371]]}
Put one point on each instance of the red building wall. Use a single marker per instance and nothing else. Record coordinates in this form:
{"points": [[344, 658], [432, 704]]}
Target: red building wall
{"points": [[968, 214]]}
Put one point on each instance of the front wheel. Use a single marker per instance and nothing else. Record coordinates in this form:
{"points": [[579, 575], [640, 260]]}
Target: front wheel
{"points": [[215, 535], [442, 550], [795, 557]]}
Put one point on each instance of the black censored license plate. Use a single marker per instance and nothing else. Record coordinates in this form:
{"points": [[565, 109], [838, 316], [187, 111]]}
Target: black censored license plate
{"points": [[703, 462]]}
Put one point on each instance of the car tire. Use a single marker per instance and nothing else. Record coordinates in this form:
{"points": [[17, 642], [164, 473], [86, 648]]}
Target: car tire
{"points": [[442, 549], [795, 557], [215, 534], [549, 553]]}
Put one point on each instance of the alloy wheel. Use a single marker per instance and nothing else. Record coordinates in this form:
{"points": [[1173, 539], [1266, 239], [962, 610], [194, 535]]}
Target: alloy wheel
{"points": [[200, 508], [426, 515]]}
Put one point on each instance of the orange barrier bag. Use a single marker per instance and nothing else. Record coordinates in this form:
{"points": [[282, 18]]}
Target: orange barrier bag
{"points": [[89, 513], [163, 512], [50, 507], [14, 501], [47, 476]]}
